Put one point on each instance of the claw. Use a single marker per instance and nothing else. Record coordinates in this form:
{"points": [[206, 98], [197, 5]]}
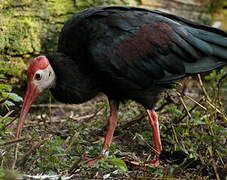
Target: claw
{"points": [[92, 161], [155, 162]]}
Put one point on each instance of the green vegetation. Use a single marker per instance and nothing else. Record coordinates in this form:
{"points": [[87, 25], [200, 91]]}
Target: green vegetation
{"points": [[216, 5], [9, 175], [194, 140], [10, 72]]}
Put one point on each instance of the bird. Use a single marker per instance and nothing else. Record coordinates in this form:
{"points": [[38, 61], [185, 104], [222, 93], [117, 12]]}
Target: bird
{"points": [[126, 53]]}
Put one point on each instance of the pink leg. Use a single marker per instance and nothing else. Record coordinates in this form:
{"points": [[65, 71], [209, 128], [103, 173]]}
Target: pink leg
{"points": [[153, 120], [111, 125]]}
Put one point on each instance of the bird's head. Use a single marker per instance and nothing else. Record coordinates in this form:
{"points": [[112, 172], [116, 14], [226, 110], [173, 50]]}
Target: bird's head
{"points": [[40, 76]]}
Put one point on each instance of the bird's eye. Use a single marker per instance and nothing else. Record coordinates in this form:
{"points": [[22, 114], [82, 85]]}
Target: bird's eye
{"points": [[38, 76]]}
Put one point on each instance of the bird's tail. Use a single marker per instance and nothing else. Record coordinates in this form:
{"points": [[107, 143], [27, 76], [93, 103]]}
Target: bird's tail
{"points": [[213, 44], [210, 41]]}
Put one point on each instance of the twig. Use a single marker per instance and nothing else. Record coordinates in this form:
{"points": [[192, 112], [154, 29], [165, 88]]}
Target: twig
{"points": [[72, 141], [3, 100], [219, 84], [185, 107], [214, 107], [180, 119], [195, 125], [95, 114], [202, 87], [175, 134], [8, 114], [15, 156], [80, 118], [221, 80], [8, 124], [208, 98], [49, 107], [68, 106], [86, 118], [215, 170], [193, 100], [217, 110], [12, 141], [221, 159], [32, 123]]}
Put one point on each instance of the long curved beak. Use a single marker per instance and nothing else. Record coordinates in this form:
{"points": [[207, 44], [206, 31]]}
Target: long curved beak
{"points": [[31, 93]]}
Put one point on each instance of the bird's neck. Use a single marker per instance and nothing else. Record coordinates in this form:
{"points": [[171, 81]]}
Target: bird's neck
{"points": [[73, 83]]}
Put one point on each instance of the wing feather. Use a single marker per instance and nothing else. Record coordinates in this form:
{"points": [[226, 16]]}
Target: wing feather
{"points": [[142, 47]]}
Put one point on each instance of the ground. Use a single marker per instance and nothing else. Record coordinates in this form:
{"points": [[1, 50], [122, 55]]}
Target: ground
{"points": [[57, 136]]}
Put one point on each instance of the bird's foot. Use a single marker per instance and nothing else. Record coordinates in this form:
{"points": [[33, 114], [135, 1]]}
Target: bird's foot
{"points": [[84, 160], [91, 161], [155, 161]]}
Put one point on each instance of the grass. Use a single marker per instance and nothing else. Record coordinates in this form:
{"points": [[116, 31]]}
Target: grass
{"points": [[193, 130]]}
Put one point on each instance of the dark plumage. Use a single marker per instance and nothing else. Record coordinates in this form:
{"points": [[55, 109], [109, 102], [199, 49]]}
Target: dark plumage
{"points": [[125, 53], [131, 53]]}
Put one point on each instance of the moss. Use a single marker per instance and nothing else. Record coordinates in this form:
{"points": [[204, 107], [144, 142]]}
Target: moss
{"points": [[60, 7], [90, 3], [12, 68], [93, 3], [19, 36], [216, 5], [220, 13], [31, 27]]}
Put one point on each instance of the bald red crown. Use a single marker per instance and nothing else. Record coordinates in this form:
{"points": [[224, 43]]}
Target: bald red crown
{"points": [[40, 62]]}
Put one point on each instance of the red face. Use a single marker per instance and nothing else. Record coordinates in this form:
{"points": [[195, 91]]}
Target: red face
{"points": [[34, 77]]}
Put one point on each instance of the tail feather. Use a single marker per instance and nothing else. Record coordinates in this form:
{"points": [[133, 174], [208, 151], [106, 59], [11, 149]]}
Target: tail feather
{"points": [[210, 37], [196, 42], [216, 42], [204, 65], [220, 52], [201, 48], [214, 47]]}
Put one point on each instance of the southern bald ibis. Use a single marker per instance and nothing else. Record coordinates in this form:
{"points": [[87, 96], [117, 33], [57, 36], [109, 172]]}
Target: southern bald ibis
{"points": [[125, 53]]}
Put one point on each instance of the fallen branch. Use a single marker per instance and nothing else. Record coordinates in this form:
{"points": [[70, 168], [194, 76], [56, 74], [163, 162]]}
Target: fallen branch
{"points": [[12, 141]]}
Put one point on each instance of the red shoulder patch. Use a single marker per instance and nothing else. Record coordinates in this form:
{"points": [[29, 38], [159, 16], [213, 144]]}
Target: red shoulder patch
{"points": [[147, 40], [40, 62]]}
